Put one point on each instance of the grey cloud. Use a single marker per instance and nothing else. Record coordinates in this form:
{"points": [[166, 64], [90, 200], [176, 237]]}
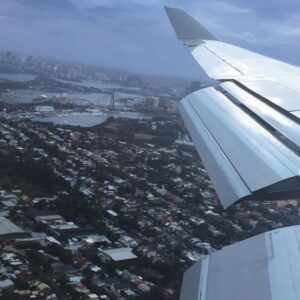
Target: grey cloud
{"points": [[114, 3], [136, 35], [46, 3]]}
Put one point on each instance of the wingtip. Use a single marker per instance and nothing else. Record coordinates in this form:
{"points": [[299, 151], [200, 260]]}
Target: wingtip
{"points": [[186, 27], [168, 8], [171, 10]]}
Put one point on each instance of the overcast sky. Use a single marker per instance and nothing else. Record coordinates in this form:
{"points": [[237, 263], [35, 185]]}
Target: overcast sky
{"points": [[135, 35]]}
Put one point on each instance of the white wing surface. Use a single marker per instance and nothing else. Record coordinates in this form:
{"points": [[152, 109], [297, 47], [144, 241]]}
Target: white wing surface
{"points": [[264, 267], [247, 129]]}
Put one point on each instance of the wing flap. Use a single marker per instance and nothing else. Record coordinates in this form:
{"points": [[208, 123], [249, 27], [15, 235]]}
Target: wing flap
{"points": [[227, 181], [280, 95], [284, 123], [242, 157]]}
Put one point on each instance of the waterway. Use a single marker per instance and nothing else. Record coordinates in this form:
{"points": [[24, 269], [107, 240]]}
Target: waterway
{"points": [[27, 96], [17, 77], [73, 119], [88, 120]]}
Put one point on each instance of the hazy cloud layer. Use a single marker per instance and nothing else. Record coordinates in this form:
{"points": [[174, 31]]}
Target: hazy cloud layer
{"points": [[136, 35]]}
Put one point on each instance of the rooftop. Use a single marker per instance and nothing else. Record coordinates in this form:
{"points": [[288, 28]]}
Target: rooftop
{"points": [[119, 254], [7, 227]]}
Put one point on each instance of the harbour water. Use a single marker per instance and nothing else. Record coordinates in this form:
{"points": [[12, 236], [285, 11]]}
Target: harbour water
{"points": [[17, 77], [76, 119], [88, 120], [27, 96]]}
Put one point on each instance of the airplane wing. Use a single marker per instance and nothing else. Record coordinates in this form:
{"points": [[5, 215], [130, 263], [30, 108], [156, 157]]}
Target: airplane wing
{"points": [[247, 128], [264, 267]]}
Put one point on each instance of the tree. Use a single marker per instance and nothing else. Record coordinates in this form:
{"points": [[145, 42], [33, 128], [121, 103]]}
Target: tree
{"points": [[57, 250]]}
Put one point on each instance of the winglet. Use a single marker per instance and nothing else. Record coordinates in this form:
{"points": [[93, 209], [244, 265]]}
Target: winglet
{"points": [[186, 27]]}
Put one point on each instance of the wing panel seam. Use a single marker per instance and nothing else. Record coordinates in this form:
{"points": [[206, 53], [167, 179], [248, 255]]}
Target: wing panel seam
{"points": [[224, 60]]}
